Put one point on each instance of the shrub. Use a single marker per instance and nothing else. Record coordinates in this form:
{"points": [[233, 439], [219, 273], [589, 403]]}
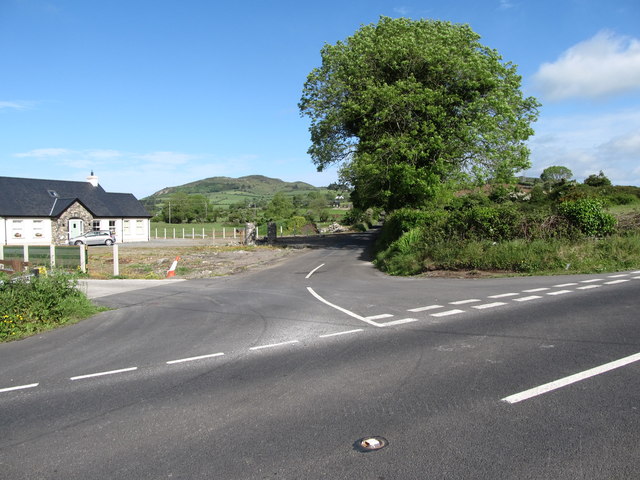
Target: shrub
{"points": [[587, 215], [30, 305]]}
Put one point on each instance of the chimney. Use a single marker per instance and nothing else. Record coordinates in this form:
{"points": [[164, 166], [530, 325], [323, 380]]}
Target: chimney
{"points": [[92, 179]]}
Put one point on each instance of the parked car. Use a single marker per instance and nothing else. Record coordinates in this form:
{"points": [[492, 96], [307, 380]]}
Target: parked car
{"points": [[101, 237]]}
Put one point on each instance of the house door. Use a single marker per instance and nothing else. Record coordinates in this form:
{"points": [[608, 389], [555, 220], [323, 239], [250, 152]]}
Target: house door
{"points": [[76, 227]]}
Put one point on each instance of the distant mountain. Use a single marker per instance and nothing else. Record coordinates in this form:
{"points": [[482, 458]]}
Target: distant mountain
{"points": [[226, 190]]}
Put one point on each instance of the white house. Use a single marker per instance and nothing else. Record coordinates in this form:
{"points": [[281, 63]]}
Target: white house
{"points": [[45, 212]]}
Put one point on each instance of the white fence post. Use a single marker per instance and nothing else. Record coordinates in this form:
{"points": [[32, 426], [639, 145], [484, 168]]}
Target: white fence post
{"points": [[193, 233], [224, 232], [116, 261], [83, 258], [52, 256]]}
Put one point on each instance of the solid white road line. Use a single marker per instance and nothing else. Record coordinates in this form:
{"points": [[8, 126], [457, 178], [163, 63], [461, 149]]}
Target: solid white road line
{"points": [[100, 374], [260, 347], [563, 382], [341, 333], [343, 310], [191, 359], [19, 387], [447, 313], [526, 299], [314, 270], [424, 309], [489, 305]]}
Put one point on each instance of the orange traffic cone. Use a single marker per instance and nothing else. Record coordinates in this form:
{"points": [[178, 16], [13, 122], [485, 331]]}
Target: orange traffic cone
{"points": [[172, 271]]}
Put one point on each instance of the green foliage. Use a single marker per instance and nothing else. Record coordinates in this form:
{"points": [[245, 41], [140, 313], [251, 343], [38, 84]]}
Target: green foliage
{"points": [[599, 180], [280, 207], [32, 305], [474, 233], [407, 105], [556, 174], [587, 215], [295, 225]]}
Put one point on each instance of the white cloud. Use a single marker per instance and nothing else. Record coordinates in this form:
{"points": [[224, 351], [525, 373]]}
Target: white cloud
{"points": [[604, 65], [587, 144], [506, 4], [15, 105], [44, 153], [627, 144]]}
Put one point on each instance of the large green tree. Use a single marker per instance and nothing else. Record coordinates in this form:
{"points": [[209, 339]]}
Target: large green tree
{"points": [[405, 106]]}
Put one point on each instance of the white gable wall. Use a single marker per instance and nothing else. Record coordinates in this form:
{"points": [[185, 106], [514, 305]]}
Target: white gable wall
{"points": [[25, 231]]}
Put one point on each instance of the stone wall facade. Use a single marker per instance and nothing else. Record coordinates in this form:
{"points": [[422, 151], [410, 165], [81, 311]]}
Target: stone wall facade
{"points": [[60, 227]]}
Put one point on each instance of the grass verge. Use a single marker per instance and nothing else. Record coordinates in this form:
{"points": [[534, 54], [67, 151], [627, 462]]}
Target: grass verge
{"points": [[412, 255]]}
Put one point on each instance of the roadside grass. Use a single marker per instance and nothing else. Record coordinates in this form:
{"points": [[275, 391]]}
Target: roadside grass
{"points": [[37, 304], [539, 257]]}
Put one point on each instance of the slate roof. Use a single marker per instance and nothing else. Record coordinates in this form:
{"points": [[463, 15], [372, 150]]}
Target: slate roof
{"points": [[29, 197]]}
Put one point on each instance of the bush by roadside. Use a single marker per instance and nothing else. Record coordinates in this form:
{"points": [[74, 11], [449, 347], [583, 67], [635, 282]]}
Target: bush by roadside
{"points": [[30, 305], [472, 234]]}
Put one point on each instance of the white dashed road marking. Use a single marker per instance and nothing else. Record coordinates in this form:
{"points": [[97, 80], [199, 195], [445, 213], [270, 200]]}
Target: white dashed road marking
{"points": [[526, 299], [273, 345], [424, 309], [379, 317], [534, 290], [102, 374], [400, 322], [314, 270], [447, 313], [464, 302], [341, 333], [559, 292], [191, 359], [19, 387], [489, 305], [503, 295]]}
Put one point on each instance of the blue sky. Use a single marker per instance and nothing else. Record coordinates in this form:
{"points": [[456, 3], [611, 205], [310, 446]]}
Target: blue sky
{"points": [[157, 93]]}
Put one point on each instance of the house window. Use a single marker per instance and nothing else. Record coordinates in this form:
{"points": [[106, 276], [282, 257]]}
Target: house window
{"points": [[38, 228], [126, 227], [112, 226], [139, 227], [95, 225], [17, 228]]}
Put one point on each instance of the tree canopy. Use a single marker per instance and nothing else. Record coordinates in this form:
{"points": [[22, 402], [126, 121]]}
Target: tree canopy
{"points": [[405, 106], [556, 174]]}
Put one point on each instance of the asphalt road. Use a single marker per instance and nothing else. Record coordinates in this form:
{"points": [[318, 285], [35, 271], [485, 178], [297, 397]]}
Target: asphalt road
{"points": [[277, 374]]}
